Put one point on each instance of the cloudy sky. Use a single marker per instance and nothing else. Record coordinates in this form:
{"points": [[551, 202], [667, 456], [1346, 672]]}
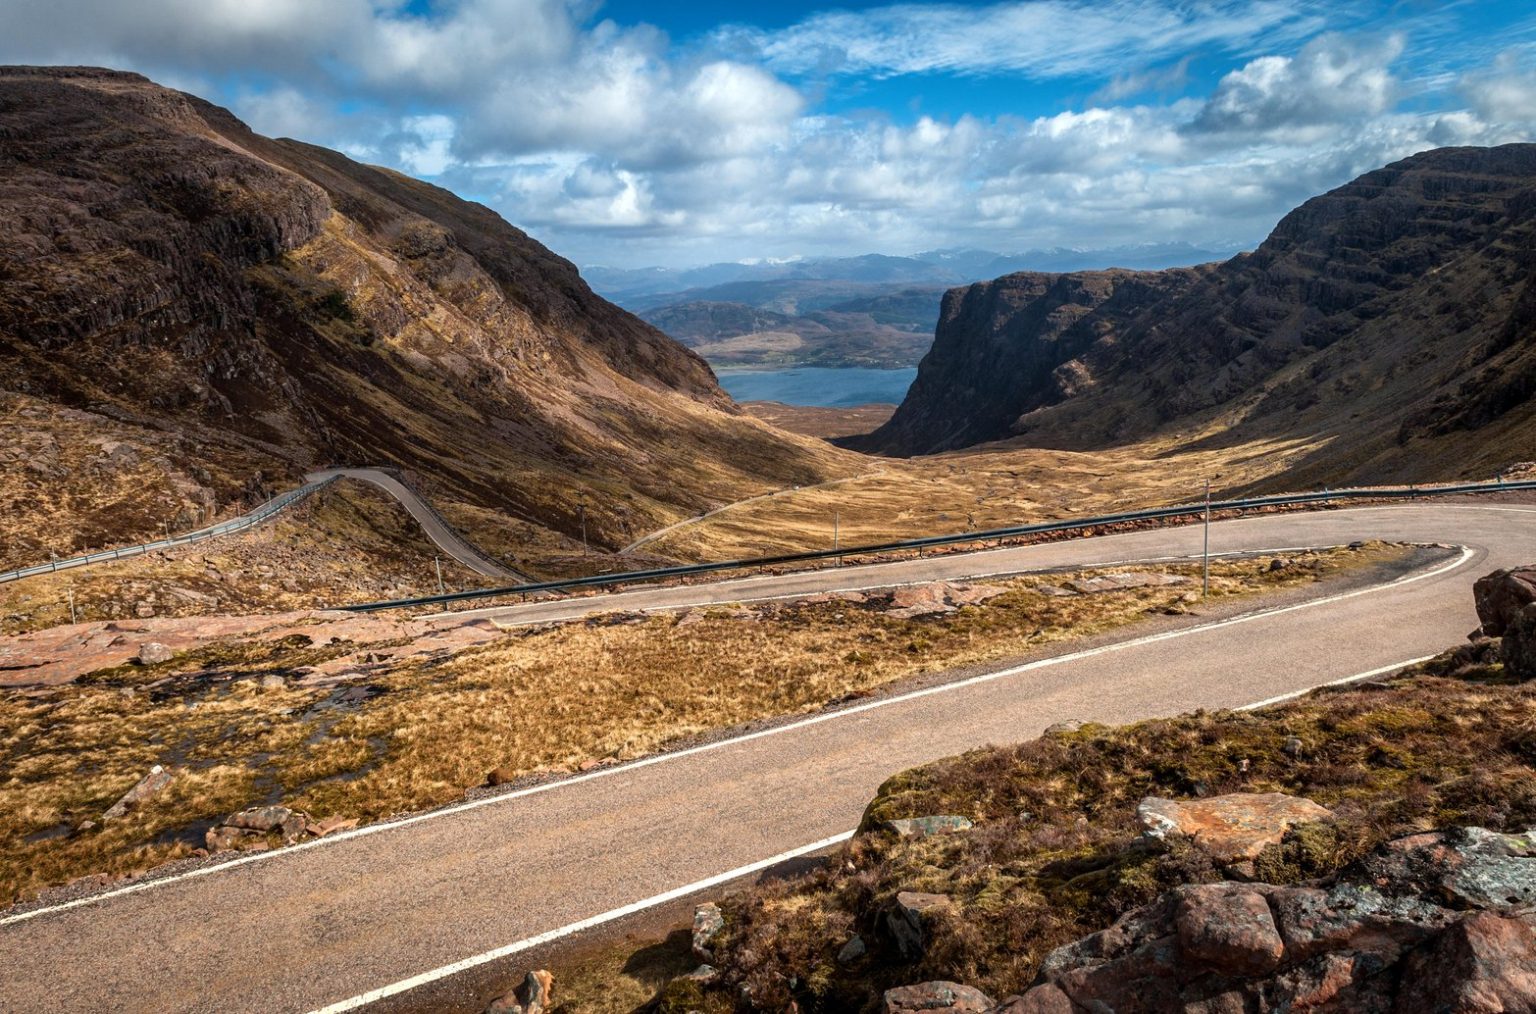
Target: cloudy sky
{"points": [[631, 133]]}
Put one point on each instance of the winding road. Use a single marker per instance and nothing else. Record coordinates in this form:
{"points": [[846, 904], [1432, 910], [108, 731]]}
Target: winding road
{"points": [[429, 912], [432, 523]]}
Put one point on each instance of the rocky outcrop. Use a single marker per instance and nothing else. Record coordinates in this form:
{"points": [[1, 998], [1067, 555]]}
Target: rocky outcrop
{"points": [[534, 995], [1506, 605], [935, 996], [1231, 829], [1433, 922], [708, 923], [152, 784], [1395, 311], [278, 305]]}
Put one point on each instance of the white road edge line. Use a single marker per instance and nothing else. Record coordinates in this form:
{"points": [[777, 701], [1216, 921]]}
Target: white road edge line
{"points": [[443, 971], [1356, 678], [1467, 553]]}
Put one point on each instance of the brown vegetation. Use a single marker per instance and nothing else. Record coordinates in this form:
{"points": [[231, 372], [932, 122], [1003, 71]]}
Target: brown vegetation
{"points": [[1056, 851], [239, 728], [350, 542]]}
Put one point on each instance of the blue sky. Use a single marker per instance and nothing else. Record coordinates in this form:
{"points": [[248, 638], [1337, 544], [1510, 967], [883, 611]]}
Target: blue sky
{"points": [[632, 133]]}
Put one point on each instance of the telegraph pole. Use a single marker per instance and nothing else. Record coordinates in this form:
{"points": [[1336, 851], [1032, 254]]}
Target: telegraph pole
{"points": [[437, 561], [835, 545], [1205, 579], [582, 507]]}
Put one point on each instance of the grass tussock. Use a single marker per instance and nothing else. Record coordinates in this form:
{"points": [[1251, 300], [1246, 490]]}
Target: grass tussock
{"points": [[425, 731], [1056, 852]]}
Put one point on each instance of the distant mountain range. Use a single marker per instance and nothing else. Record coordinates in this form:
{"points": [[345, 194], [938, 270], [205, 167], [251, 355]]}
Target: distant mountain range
{"points": [[874, 310], [646, 288], [1386, 330]]}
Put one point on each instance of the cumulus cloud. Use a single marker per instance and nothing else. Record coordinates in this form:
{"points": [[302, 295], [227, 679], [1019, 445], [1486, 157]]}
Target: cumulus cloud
{"points": [[1505, 92], [1332, 79], [613, 143]]}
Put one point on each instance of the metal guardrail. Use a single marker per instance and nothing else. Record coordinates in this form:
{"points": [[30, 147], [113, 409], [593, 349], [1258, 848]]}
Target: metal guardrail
{"points": [[262, 513], [1044, 527]]}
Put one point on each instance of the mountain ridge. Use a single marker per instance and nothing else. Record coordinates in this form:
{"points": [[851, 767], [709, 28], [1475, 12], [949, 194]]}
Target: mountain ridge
{"points": [[237, 309], [1376, 327]]}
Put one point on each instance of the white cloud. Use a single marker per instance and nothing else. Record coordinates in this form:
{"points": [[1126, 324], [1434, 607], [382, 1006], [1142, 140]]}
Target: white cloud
{"points": [[613, 144], [1506, 92], [1039, 37], [1333, 79]]}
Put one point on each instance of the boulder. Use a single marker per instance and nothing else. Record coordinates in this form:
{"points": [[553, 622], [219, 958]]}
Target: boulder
{"points": [[534, 995], [940, 996], [852, 951], [1233, 828], [229, 839], [908, 918], [1123, 582], [922, 827], [1045, 999], [707, 924], [267, 819], [1432, 922], [152, 783], [1518, 645], [918, 600], [330, 825], [1500, 596], [153, 653], [1484, 962], [1227, 929]]}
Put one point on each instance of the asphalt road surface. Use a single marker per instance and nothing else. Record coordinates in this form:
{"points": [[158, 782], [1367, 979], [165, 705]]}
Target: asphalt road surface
{"points": [[436, 529], [325, 925]]}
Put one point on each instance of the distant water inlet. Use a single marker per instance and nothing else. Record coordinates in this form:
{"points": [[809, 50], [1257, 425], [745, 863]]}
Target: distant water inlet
{"points": [[816, 385]]}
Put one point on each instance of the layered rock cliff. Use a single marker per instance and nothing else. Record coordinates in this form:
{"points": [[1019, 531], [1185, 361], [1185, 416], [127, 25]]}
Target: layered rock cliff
{"points": [[237, 309], [1386, 325]]}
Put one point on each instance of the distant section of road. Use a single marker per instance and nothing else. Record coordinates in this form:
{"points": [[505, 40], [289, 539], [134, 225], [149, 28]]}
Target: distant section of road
{"points": [[432, 523], [395, 915]]}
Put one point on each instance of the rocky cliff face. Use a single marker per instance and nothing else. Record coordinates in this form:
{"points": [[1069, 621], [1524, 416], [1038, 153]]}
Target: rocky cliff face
{"points": [[1383, 323], [230, 304]]}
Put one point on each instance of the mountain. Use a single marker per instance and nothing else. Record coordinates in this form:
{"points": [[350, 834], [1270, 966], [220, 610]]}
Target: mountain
{"points": [[873, 310], [1387, 327], [192, 314], [891, 328], [648, 288]]}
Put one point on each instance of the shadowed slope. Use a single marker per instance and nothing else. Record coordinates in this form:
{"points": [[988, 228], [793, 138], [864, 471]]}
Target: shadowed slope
{"points": [[235, 310]]}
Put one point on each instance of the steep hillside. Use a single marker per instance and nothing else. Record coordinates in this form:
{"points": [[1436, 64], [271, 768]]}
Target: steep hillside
{"points": [[191, 314], [1390, 325]]}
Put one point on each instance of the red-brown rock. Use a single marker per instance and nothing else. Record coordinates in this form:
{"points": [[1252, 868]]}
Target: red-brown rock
{"points": [[1228, 930], [1484, 963], [1233, 828], [1500, 596], [936, 996]]}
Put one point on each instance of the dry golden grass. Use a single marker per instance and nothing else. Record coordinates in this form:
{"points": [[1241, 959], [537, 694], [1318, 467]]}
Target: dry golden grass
{"points": [[437, 728], [992, 487], [348, 543]]}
